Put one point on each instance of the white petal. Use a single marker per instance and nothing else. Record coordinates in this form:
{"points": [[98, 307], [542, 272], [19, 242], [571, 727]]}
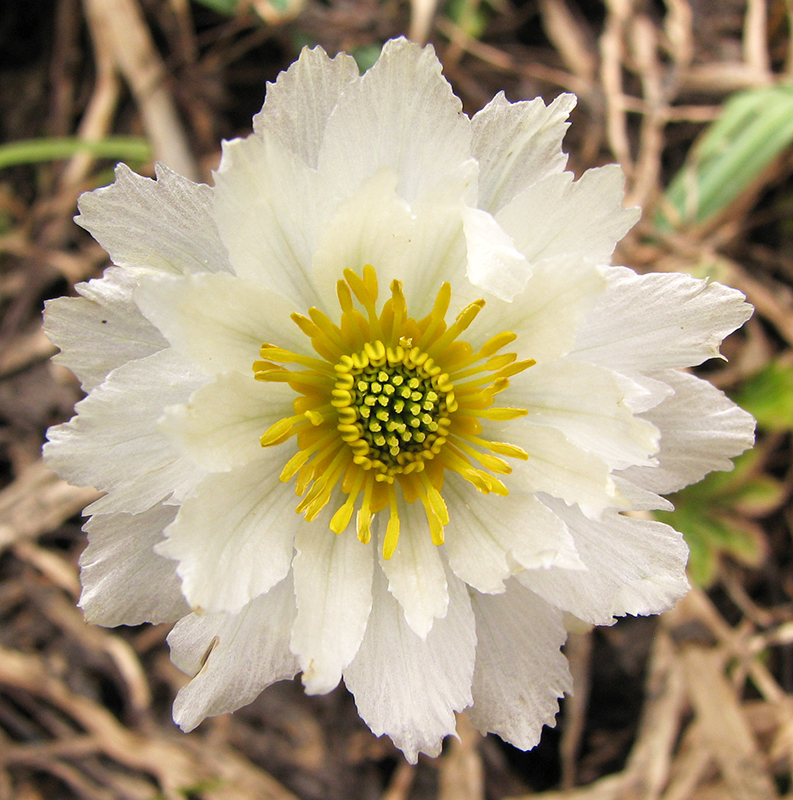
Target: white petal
{"points": [[234, 537], [298, 104], [520, 672], [333, 584], [165, 225], [218, 321], [560, 468], [101, 330], [547, 314], [220, 426], [634, 566], [416, 575], [232, 657], [400, 114], [557, 217], [421, 246], [590, 406], [658, 321], [269, 206], [489, 537], [702, 430], [114, 443], [408, 687], [493, 262], [124, 581], [518, 144]]}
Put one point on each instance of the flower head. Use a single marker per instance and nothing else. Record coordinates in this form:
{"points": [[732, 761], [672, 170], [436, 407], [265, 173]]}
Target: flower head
{"points": [[374, 406]]}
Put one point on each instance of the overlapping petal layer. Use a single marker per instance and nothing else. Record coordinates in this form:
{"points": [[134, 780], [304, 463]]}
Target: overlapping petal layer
{"points": [[463, 392]]}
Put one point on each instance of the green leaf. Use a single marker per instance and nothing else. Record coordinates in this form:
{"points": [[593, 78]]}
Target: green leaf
{"points": [[30, 151], [768, 396], [754, 128]]}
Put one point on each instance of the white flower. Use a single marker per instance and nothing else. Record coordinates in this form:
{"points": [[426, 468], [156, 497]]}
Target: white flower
{"points": [[407, 317]]}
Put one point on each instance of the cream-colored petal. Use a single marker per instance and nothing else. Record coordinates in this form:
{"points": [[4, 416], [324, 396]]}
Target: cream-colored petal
{"points": [[102, 329], [333, 584], [517, 145], [233, 538], [401, 114], [164, 225], [298, 104], [124, 581], [520, 672], [232, 657], [220, 426], [408, 687]]}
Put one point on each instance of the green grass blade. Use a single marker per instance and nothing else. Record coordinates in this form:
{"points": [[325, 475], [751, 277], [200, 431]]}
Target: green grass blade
{"points": [[31, 151]]}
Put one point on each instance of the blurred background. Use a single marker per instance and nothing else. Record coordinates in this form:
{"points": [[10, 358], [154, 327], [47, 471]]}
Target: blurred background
{"points": [[694, 98]]}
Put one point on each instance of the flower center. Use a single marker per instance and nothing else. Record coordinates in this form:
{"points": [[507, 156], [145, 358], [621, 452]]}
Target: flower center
{"points": [[394, 406], [386, 405]]}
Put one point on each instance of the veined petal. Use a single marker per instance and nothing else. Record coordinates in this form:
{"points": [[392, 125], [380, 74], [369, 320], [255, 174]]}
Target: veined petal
{"points": [[114, 443], [517, 145], [702, 430], [415, 572], [520, 672], [401, 114], [102, 329], [494, 263], [269, 207], [220, 426], [233, 538], [546, 315], [124, 581], [333, 584], [558, 217], [408, 687], [590, 406], [562, 469], [490, 538], [164, 225], [232, 657], [634, 566], [219, 322], [298, 104], [658, 321]]}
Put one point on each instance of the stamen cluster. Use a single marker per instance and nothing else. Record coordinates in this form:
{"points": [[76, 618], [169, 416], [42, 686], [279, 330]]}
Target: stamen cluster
{"points": [[387, 405], [394, 406]]}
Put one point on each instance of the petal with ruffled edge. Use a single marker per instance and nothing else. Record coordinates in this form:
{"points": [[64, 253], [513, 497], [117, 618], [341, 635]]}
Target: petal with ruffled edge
{"points": [[233, 657], [124, 581], [297, 106], [333, 585], [269, 207], [658, 321], [634, 566], [520, 672], [490, 538], [420, 246], [517, 145], [559, 467], [561, 217], [590, 405], [165, 225], [415, 572], [546, 315], [114, 443], [220, 426], [400, 114], [408, 687], [219, 322], [702, 430], [100, 330], [233, 538]]}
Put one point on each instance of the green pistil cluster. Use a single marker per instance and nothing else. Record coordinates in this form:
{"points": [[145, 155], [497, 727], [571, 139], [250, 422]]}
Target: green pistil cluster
{"points": [[397, 410]]}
